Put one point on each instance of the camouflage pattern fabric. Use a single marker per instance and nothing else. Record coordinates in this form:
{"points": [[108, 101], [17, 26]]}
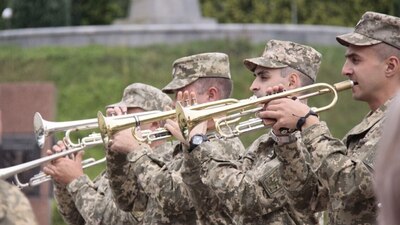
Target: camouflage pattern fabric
{"points": [[340, 175], [281, 54], [169, 199], [250, 188], [209, 209], [373, 28], [86, 202], [187, 70], [15, 208], [143, 96]]}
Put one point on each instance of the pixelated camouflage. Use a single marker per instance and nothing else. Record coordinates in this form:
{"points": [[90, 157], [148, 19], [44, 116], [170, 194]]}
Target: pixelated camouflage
{"points": [[144, 96], [281, 54], [250, 187], [15, 208], [188, 69], [373, 28], [340, 176]]}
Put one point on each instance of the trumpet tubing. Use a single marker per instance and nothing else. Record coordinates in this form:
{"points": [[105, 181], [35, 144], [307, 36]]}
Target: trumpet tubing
{"points": [[44, 128], [109, 125], [94, 139], [41, 177], [188, 118]]}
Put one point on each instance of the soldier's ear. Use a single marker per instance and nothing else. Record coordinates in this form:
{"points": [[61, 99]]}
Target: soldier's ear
{"points": [[213, 94], [294, 80]]}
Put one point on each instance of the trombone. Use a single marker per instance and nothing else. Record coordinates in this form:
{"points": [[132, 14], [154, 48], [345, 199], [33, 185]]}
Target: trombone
{"points": [[188, 118]]}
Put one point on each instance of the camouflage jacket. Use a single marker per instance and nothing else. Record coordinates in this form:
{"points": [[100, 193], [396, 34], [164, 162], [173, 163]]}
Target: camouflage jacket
{"points": [[209, 209], [86, 202], [250, 187], [15, 208], [340, 175], [160, 177]]}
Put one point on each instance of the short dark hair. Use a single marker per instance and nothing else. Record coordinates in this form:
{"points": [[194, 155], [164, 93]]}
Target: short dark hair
{"points": [[304, 79], [224, 85], [384, 51]]}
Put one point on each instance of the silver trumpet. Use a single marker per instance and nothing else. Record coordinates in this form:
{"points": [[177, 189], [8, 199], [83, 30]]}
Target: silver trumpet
{"points": [[86, 142], [44, 128]]}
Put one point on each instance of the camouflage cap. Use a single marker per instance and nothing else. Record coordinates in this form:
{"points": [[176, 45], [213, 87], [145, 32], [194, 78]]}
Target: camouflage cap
{"points": [[373, 28], [281, 54], [188, 69], [144, 96]]}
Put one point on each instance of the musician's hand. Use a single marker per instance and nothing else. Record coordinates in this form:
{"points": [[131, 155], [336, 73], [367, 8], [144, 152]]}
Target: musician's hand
{"points": [[286, 112], [123, 142], [116, 110], [65, 170]]}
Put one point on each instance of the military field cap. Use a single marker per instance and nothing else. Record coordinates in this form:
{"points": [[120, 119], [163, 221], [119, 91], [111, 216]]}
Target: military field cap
{"points": [[144, 96], [373, 28], [188, 69], [281, 54]]}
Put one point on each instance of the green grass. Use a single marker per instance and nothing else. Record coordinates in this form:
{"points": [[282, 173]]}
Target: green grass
{"points": [[88, 78]]}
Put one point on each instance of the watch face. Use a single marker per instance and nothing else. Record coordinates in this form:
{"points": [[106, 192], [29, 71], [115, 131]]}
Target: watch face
{"points": [[197, 140]]}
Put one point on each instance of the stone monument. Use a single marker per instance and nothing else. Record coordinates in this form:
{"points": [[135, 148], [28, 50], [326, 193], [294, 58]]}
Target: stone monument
{"points": [[165, 12]]}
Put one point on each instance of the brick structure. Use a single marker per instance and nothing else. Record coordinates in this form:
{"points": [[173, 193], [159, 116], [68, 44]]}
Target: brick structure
{"points": [[18, 103]]}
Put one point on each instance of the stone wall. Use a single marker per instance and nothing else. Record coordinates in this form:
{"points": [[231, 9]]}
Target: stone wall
{"points": [[140, 35]]}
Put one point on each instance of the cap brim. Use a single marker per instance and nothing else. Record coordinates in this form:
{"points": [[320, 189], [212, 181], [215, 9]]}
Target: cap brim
{"points": [[356, 39], [123, 104], [252, 63], [177, 84]]}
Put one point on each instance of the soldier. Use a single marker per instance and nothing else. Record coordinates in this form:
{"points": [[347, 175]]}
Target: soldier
{"points": [[207, 78], [387, 167], [250, 187], [15, 208], [340, 177], [82, 201]]}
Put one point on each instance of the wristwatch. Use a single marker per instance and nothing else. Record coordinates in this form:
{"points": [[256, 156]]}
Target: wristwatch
{"points": [[283, 139], [196, 140]]}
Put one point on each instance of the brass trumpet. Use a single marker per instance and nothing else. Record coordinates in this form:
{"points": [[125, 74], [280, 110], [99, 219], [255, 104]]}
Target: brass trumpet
{"points": [[109, 125], [188, 118]]}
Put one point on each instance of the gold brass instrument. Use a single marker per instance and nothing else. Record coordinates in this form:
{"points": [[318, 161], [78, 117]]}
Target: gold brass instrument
{"points": [[109, 125], [44, 128], [188, 118]]}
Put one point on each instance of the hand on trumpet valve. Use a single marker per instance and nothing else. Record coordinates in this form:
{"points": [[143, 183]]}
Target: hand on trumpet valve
{"points": [[64, 169], [286, 112], [123, 142]]}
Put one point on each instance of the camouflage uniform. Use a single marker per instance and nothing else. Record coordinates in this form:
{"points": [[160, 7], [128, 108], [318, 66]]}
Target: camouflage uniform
{"points": [[250, 188], [15, 208], [85, 202], [340, 175]]}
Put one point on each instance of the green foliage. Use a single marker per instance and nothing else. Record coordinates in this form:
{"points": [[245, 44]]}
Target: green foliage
{"points": [[89, 78], [96, 12], [39, 13], [329, 12]]}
